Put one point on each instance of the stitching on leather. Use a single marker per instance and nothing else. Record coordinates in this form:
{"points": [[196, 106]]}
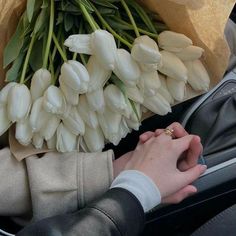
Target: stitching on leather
{"points": [[108, 216], [215, 219]]}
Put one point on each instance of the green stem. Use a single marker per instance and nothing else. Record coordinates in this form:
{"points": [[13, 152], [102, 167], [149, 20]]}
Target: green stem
{"points": [[82, 57], [59, 48], [26, 62], [88, 17], [51, 67], [103, 21], [50, 32], [130, 17], [56, 76], [74, 56]]}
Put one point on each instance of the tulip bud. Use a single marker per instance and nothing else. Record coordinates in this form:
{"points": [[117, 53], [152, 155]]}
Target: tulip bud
{"points": [[38, 116], [4, 93], [198, 77], [5, 123], [37, 141], [177, 89], [24, 132], [134, 94], [151, 83], [122, 132], [75, 75], [94, 139], [79, 43], [190, 53], [173, 66], [126, 68], [96, 100], [71, 96], [88, 116], [110, 124], [115, 100], [97, 73], [40, 82], [134, 121], [73, 122], [163, 90], [104, 48], [145, 50], [19, 102], [66, 141], [53, 100], [157, 104], [149, 67], [172, 41], [190, 92], [52, 143], [50, 128]]}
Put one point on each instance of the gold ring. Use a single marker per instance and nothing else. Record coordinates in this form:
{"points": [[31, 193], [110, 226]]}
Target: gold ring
{"points": [[169, 132]]}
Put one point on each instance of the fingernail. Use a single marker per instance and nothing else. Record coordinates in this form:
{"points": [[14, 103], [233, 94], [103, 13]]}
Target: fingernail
{"points": [[203, 167]]}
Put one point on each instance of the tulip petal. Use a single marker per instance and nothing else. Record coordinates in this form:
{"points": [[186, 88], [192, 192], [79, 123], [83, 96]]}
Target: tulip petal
{"points": [[24, 132], [5, 123], [96, 100], [4, 93]]}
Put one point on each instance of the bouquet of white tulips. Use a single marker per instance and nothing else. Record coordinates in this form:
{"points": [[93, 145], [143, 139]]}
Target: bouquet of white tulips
{"points": [[82, 72]]}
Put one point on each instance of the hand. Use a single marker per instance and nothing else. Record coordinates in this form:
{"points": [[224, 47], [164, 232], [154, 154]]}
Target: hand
{"points": [[188, 160], [158, 158]]}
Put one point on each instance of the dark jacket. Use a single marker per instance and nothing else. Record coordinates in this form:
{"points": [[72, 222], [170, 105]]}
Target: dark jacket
{"points": [[117, 213]]}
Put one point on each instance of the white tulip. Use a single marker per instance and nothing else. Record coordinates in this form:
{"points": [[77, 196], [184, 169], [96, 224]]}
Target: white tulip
{"points": [[97, 73], [74, 122], [145, 50], [89, 116], [38, 116], [71, 96], [173, 66], [24, 132], [116, 100], [149, 67], [110, 124], [126, 68], [5, 123], [172, 41], [198, 77], [19, 103], [177, 89], [79, 43], [134, 94], [75, 75], [96, 100], [41, 80], [66, 141], [122, 132], [151, 82], [190, 53], [4, 93], [54, 100], [163, 90], [134, 121], [94, 139], [52, 143], [104, 48], [157, 104], [37, 141], [50, 128]]}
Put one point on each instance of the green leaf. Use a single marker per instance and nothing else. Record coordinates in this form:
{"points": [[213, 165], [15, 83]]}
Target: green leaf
{"points": [[30, 9], [68, 22], [41, 21], [134, 109], [13, 73], [36, 57], [14, 46]]}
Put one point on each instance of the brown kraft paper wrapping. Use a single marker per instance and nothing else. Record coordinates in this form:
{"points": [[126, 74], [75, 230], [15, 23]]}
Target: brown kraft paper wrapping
{"points": [[202, 20]]}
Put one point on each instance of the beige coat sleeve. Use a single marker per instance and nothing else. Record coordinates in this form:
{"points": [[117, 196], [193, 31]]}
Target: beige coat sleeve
{"points": [[53, 184]]}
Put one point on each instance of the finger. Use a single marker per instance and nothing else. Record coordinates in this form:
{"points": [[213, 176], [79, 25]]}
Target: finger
{"points": [[179, 130], [193, 174], [190, 159], [145, 136], [182, 144], [179, 196], [158, 132]]}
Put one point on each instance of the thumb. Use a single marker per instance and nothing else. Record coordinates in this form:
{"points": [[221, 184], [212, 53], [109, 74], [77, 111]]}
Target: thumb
{"points": [[193, 173]]}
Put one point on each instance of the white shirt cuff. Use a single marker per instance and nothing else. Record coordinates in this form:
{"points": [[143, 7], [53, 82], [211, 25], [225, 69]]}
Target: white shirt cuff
{"points": [[141, 186]]}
